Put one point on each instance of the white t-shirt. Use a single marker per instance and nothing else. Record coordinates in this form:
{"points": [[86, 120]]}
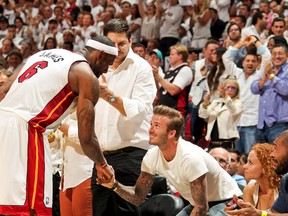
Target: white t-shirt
{"points": [[190, 163], [184, 76]]}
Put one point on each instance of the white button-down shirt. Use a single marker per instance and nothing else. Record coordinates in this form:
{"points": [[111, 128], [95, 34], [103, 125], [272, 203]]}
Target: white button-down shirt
{"points": [[133, 81], [250, 101]]}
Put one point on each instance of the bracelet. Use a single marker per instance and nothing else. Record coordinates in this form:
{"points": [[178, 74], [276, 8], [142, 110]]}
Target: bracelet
{"points": [[51, 135], [159, 78], [115, 186], [103, 165], [264, 213]]}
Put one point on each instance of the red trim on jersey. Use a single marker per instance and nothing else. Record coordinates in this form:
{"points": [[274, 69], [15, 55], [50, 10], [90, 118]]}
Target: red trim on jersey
{"points": [[182, 102], [54, 109], [35, 179], [36, 173], [36, 156]]}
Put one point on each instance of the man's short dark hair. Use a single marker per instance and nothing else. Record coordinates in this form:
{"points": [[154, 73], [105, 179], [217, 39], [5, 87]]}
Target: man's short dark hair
{"points": [[242, 18], [138, 45], [86, 8], [53, 21], [256, 16], [278, 39], [156, 44], [278, 19], [281, 45], [19, 18], [211, 41], [117, 26], [233, 24], [11, 26], [69, 44], [15, 52], [9, 39], [230, 150]]}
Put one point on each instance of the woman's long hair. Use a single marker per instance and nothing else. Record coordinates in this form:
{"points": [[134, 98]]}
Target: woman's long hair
{"points": [[217, 71]]}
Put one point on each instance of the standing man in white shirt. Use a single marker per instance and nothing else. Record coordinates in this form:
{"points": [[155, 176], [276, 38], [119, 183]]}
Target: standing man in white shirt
{"points": [[124, 111], [259, 24], [247, 125]]}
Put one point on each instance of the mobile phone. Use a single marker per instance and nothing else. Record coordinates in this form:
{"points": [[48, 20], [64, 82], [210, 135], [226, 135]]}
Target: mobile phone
{"points": [[232, 204]]}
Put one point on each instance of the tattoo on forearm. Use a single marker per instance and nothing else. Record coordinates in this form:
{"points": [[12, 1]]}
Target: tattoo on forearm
{"points": [[136, 195], [145, 179], [89, 141], [198, 191], [82, 115]]}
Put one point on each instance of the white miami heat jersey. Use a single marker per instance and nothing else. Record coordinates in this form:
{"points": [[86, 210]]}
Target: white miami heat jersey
{"points": [[38, 99], [42, 86]]}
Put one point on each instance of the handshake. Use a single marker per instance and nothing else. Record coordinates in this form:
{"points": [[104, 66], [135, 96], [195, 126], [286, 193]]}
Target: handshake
{"points": [[106, 176]]}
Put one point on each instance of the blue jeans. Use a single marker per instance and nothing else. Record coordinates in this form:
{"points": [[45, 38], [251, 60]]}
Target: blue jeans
{"points": [[247, 139], [269, 134], [216, 210]]}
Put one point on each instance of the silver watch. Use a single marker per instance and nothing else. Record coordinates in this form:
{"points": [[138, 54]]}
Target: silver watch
{"points": [[112, 98]]}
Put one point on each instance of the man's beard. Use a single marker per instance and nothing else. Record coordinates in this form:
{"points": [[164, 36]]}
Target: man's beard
{"points": [[236, 39], [282, 166], [162, 140], [98, 71]]}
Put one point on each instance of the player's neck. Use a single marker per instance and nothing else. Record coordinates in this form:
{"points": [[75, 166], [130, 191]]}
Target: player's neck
{"points": [[83, 52]]}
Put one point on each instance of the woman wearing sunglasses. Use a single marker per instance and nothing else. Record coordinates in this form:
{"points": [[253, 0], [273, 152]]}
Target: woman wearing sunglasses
{"points": [[222, 115]]}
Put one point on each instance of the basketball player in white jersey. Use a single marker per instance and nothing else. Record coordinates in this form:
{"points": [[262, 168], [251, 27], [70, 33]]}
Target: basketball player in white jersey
{"points": [[49, 85]]}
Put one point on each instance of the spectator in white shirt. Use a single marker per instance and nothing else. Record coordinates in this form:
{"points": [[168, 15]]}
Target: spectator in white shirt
{"points": [[247, 125], [259, 24]]}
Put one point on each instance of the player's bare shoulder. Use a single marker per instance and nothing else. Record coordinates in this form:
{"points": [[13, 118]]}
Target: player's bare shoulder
{"points": [[81, 74]]}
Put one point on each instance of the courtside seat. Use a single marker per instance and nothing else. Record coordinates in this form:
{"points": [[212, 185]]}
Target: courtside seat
{"points": [[162, 205]]}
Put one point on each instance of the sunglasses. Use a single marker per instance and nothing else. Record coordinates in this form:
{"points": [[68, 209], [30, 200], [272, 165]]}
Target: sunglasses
{"points": [[232, 88]]}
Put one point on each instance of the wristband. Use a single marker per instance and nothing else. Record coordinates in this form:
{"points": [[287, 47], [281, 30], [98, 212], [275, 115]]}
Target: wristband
{"points": [[51, 135], [264, 213], [115, 186], [103, 165], [255, 41]]}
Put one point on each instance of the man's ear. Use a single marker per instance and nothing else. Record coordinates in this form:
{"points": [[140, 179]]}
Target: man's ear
{"points": [[101, 55], [172, 133]]}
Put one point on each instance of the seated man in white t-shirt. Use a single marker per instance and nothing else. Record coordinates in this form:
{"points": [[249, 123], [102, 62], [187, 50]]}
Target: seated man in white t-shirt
{"points": [[193, 172]]}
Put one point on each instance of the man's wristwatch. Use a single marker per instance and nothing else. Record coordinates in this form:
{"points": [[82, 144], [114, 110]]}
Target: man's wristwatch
{"points": [[255, 41], [271, 76], [112, 98], [115, 186]]}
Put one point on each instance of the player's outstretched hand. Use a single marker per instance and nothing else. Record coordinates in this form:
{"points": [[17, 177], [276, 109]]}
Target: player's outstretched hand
{"points": [[105, 174]]}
